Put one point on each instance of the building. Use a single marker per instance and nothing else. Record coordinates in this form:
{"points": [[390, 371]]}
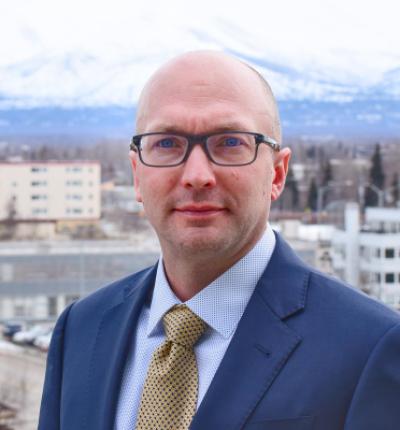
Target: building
{"points": [[39, 279], [50, 190], [368, 255], [312, 242]]}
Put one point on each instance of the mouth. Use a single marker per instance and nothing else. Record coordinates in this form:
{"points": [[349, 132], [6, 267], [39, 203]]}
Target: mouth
{"points": [[203, 210]]}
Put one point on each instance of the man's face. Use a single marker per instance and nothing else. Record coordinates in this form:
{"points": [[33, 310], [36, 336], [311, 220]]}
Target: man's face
{"points": [[199, 209]]}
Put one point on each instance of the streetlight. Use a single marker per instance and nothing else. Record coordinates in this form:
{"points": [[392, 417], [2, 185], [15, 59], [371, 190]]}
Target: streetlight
{"points": [[382, 194], [321, 191]]}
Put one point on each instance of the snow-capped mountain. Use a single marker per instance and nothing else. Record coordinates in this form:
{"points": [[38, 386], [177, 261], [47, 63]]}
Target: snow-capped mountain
{"points": [[81, 79], [80, 66]]}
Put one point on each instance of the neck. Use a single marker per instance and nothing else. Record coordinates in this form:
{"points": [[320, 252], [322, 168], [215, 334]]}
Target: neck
{"points": [[188, 275], [186, 280]]}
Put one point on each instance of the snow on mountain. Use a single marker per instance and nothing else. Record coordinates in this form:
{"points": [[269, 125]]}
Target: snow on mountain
{"points": [[82, 79], [94, 53], [78, 67]]}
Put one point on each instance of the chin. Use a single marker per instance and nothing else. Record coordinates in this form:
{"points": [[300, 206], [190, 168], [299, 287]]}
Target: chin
{"points": [[204, 244]]}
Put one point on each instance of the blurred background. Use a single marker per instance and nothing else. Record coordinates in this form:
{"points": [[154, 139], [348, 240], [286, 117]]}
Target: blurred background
{"points": [[70, 76]]}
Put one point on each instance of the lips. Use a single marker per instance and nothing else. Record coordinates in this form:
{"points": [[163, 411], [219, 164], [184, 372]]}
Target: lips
{"points": [[199, 209]]}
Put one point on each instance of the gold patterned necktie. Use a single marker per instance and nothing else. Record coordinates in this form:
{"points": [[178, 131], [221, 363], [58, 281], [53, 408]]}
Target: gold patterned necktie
{"points": [[169, 397]]}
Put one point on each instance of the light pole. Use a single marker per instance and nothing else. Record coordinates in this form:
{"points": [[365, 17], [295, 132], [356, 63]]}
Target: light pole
{"points": [[321, 191], [382, 194]]}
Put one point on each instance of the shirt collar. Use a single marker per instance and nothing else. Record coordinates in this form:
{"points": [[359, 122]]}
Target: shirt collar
{"points": [[221, 304]]}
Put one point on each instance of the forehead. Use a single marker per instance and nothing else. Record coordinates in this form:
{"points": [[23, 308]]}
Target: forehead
{"points": [[203, 95]]}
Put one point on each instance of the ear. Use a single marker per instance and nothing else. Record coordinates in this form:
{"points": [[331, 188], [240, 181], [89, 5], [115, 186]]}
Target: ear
{"points": [[281, 166], [134, 163]]}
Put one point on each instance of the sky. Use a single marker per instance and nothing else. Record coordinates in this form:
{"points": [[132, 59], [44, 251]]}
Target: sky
{"points": [[57, 50]]}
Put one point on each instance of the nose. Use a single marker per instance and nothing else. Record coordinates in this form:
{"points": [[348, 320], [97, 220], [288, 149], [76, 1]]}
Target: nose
{"points": [[198, 170]]}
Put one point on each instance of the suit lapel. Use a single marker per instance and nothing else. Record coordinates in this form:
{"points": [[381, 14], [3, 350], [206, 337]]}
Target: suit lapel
{"points": [[261, 345], [115, 335]]}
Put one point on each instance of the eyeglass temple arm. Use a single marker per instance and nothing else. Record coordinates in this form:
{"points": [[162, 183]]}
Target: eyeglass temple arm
{"points": [[133, 145], [272, 143]]}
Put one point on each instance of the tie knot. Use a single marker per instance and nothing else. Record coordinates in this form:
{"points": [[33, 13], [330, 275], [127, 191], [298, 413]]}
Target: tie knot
{"points": [[182, 326]]}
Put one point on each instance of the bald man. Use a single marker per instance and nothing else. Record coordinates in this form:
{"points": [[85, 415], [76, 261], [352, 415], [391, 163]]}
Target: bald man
{"points": [[230, 329]]}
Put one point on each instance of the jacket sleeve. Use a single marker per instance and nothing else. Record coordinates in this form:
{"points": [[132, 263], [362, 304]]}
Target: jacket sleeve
{"points": [[51, 398], [376, 400]]}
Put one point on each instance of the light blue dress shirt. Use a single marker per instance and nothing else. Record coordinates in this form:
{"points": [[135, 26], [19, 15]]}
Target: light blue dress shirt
{"points": [[221, 305]]}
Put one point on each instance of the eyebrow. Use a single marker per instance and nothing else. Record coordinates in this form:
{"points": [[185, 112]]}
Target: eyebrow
{"points": [[228, 126]]}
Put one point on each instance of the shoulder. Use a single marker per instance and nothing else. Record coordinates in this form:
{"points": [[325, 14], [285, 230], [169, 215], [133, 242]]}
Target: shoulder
{"points": [[349, 298], [347, 310], [110, 295], [325, 296]]}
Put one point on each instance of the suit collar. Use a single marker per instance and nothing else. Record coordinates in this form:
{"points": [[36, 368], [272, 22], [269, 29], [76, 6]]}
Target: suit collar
{"points": [[285, 281]]}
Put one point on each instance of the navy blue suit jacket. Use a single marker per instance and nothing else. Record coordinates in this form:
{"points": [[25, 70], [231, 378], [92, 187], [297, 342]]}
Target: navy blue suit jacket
{"points": [[308, 353]]}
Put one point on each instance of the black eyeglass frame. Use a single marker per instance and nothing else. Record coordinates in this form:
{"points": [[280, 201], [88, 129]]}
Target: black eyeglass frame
{"points": [[201, 139]]}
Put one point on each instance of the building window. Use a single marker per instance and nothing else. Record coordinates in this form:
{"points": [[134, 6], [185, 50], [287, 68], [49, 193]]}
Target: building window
{"points": [[74, 169], [39, 211], [389, 253], [38, 183], [38, 197], [73, 183], [74, 197], [52, 306], [38, 169], [74, 210], [389, 278]]}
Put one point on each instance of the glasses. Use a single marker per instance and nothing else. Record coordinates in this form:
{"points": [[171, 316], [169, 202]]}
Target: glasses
{"points": [[232, 148]]}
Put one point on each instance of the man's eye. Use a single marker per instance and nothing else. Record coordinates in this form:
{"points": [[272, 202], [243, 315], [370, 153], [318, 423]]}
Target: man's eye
{"points": [[231, 141], [165, 143]]}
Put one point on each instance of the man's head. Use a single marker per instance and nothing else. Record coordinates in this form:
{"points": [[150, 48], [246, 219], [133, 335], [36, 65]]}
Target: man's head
{"points": [[200, 209]]}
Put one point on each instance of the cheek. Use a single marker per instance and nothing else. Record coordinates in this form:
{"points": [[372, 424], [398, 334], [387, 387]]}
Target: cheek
{"points": [[155, 185], [235, 175]]}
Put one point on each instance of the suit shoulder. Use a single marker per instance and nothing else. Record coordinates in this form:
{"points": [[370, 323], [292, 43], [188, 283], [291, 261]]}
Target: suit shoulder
{"points": [[105, 296], [350, 301]]}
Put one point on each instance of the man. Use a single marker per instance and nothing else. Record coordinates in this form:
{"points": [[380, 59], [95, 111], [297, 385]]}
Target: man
{"points": [[230, 330]]}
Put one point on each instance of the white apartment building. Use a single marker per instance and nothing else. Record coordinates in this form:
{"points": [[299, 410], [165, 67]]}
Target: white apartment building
{"points": [[50, 190], [368, 256]]}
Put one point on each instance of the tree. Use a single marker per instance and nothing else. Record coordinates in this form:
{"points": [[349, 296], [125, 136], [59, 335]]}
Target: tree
{"points": [[395, 189], [376, 178], [291, 185], [327, 178], [312, 199]]}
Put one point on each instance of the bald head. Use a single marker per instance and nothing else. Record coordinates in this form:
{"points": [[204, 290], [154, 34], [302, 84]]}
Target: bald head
{"points": [[204, 78]]}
